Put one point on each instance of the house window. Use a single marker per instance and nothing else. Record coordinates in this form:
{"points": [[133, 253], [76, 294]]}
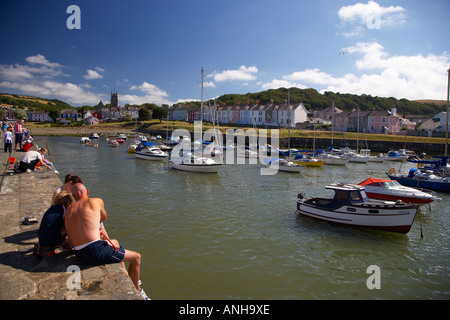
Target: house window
{"points": [[372, 119], [383, 119]]}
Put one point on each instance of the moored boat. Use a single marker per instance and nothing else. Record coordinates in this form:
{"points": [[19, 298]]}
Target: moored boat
{"points": [[307, 161], [395, 156], [112, 143], [94, 136], [392, 190], [426, 179], [85, 140], [332, 159], [351, 206], [284, 165], [193, 163], [149, 151]]}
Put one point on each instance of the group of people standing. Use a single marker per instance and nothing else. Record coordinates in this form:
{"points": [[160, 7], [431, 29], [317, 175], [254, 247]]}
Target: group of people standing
{"points": [[75, 221], [17, 133], [31, 160]]}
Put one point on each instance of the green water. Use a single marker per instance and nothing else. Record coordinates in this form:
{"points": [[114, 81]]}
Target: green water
{"points": [[235, 234]]}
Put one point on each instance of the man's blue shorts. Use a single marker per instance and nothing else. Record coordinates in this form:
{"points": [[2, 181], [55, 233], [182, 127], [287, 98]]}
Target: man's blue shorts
{"points": [[100, 252]]}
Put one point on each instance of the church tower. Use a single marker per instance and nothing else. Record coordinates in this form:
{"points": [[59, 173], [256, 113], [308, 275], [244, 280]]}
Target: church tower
{"points": [[114, 99]]}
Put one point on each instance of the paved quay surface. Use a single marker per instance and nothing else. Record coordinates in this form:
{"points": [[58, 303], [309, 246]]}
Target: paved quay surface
{"points": [[61, 277]]}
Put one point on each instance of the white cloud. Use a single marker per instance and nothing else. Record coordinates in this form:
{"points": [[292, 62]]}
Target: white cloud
{"points": [[242, 74], [276, 83], [40, 59], [94, 74], [69, 92], [209, 84], [38, 66], [380, 74], [38, 78], [362, 13], [371, 16], [152, 94]]}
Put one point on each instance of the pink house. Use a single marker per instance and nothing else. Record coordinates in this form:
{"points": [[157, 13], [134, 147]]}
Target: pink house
{"points": [[374, 121], [383, 122]]}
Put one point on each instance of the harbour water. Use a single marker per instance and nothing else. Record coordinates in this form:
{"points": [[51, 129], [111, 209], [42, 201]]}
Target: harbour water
{"points": [[235, 234]]}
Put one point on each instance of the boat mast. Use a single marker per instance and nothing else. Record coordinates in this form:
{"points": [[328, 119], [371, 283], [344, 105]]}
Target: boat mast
{"points": [[201, 103], [332, 125], [446, 122], [289, 124], [357, 134]]}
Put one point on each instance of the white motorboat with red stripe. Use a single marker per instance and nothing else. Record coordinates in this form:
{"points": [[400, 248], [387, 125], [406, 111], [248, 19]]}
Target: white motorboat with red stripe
{"points": [[351, 206], [392, 190]]}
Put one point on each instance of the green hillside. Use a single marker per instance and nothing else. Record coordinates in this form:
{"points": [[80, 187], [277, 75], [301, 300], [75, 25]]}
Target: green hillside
{"points": [[311, 98], [32, 103]]}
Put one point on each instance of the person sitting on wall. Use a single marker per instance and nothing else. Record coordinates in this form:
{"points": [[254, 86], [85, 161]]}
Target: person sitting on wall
{"points": [[51, 231]]}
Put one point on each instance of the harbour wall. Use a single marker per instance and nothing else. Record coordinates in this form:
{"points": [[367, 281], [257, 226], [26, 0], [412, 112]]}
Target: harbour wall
{"points": [[59, 277]]}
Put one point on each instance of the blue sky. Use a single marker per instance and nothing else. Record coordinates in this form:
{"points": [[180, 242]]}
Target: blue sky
{"points": [[153, 51]]}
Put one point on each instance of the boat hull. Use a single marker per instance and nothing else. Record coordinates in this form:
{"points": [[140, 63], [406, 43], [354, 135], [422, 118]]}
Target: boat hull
{"points": [[149, 156], [387, 218], [290, 168], [392, 197], [196, 167], [338, 162], [310, 163]]}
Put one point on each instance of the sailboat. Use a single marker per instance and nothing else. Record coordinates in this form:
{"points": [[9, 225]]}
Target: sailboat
{"points": [[284, 164], [305, 159], [329, 157], [355, 156], [196, 163]]}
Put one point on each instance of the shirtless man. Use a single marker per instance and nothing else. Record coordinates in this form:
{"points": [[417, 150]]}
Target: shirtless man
{"points": [[83, 223]]}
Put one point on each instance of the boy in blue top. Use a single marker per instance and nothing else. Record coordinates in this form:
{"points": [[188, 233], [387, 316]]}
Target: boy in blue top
{"points": [[51, 231]]}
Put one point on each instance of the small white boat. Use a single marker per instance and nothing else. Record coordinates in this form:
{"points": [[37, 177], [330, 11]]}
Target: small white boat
{"points": [[395, 156], [85, 140], [285, 165], [332, 159], [358, 158], [112, 143], [94, 136], [192, 163], [392, 190], [377, 158], [149, 151], [351, 206]]}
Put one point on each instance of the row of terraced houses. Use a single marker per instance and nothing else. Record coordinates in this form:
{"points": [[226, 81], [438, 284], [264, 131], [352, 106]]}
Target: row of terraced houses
{"points": [[295, 116]]}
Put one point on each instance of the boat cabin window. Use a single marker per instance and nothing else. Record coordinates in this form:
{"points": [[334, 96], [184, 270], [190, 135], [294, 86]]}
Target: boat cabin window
{"points": [[341, 195], [390, 184], [355, 195]]}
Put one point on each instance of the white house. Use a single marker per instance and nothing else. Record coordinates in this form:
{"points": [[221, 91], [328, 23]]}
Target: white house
{"points": [[291, 115]]}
